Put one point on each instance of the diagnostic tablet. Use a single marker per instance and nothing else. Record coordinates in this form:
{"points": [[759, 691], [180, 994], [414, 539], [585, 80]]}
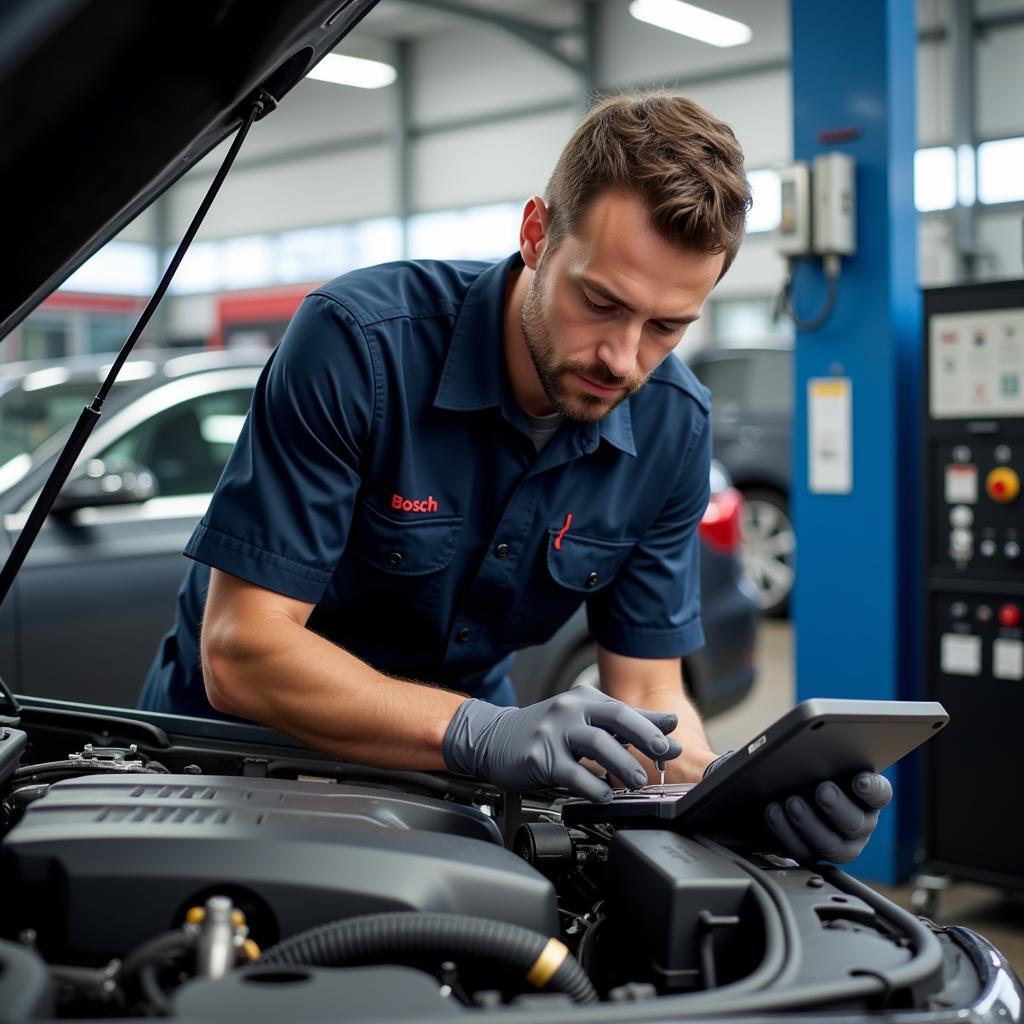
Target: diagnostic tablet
{"points": [[819, 739]]}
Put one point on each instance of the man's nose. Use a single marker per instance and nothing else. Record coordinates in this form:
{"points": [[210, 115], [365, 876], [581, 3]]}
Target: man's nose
{"points": [[619, 350]]}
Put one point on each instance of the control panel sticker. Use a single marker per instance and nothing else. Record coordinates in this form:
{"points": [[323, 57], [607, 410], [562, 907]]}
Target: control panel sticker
{"points": [[830, 435], [960, 655], [961, 484], [976, 364], [1008, 659]]}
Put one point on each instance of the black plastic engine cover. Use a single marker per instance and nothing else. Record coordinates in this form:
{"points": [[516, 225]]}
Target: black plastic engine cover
{"points": [[308, 993], [100, 864]]}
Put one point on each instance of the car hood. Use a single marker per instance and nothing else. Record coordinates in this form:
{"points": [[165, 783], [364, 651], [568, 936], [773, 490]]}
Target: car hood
{"points": [[105, 103]]}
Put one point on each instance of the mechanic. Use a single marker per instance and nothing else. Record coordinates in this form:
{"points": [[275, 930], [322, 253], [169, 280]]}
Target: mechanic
{"points": [[443, 460]]}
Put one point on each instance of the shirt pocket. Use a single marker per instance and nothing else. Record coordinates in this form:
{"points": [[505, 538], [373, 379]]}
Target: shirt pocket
{"points": [[403, 547], [564, 577], [585, 564]]}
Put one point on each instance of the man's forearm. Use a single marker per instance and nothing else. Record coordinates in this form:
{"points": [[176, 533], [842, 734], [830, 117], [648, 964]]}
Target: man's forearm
{"points": [[657, 685], [697, 753], [294, 681]]}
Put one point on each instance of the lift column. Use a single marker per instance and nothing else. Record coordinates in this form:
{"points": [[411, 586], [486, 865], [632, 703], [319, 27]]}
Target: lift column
{"points": [[856, 515]]}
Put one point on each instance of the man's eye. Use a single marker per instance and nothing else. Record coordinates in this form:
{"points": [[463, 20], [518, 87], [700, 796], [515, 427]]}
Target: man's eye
{"points": [[664, 329], [594, 306]]}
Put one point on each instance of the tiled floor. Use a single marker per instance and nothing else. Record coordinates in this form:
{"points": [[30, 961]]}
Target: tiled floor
{"points": [[997, 915]]}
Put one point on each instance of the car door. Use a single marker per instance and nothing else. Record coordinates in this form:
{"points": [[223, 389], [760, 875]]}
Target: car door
{"points": [[727, 376], [97, 591]]}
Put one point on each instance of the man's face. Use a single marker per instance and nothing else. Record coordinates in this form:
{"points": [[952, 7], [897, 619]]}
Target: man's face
{"points": [[607, 304]]}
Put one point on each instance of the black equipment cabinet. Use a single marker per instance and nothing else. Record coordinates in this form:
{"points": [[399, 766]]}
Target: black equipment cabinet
{"points": [[973, 479]]}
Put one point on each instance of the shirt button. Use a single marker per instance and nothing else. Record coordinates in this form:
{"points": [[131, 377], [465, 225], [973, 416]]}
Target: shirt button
{"points": [[463, 634], [501, 551], [394, 559], [592, 580]]}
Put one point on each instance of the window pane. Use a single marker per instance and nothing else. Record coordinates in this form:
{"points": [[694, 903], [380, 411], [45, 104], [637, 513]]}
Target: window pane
{"points": [[187, 446], [119, 268], [766, 211], [107, 332], [45, 337], [474, 233], [725, 377], [742, 321], [935, 178], [1001, 171]]}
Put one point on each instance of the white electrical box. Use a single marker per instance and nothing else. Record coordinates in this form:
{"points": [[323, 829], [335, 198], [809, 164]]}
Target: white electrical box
{"points": [[834, 207], [794, 234]]}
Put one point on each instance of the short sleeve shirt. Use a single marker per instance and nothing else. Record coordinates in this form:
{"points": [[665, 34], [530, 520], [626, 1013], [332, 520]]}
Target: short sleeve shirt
{"points": [[386, 475]]}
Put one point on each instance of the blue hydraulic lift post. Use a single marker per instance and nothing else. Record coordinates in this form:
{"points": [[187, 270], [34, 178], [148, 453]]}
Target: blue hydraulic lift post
{"points": [[855, 604]]}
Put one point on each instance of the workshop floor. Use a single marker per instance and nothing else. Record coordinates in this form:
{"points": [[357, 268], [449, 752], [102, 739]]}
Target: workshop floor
{"points": [[997, 915]]}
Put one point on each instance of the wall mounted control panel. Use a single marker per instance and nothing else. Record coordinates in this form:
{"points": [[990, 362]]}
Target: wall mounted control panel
{"points": [[973, 482]]}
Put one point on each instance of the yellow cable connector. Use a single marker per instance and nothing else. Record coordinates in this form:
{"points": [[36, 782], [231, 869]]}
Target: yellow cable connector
{"points": [[195, 915], [238, 918], [551, 958], [251, 950]]}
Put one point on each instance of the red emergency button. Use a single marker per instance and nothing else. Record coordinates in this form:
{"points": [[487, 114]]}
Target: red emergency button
{"points": [[1003, 485], [1009, 615]]}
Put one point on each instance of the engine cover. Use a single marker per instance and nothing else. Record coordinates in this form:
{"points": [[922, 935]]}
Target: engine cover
{"points": [[101, 864]]}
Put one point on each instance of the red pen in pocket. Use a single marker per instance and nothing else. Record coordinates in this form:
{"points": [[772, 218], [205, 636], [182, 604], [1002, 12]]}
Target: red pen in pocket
{"points": [[562, 532]]}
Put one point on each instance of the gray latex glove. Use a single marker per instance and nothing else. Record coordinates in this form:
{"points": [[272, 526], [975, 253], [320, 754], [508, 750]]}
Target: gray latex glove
{"points": [[540, 745], [838, 829], [841, 824]]}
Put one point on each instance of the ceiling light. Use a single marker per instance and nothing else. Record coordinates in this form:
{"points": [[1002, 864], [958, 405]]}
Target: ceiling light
{"points": [[363, 74], [695, 22]]}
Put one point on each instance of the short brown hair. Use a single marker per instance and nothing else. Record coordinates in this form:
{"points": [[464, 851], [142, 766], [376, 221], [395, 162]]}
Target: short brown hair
{"points": [[683, 164]]}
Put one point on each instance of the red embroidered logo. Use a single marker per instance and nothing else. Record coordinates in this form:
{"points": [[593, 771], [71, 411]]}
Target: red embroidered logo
{"points": [[419, 505]]}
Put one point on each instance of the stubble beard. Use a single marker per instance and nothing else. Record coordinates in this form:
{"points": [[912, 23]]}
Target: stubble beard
{"points": [[555, 377]]}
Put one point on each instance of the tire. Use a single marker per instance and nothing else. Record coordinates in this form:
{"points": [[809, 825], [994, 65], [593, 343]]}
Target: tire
{"points": [[769, 549]]}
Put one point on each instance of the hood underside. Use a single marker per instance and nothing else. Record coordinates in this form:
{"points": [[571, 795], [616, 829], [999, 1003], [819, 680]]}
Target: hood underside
{"points": [[105, 103]]}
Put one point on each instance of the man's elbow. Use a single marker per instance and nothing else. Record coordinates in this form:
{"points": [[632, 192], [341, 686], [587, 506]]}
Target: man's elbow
{"points": [[223, 667]]}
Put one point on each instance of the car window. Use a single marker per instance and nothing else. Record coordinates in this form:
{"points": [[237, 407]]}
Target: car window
{"points": [[725, 378], [771, 380], [185, 447], [30, 416]]}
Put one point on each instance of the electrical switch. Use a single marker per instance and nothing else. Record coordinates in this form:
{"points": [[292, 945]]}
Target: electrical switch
{"points": [[1002, 485]]}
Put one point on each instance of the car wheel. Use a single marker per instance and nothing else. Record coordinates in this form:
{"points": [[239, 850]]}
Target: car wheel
{"points": [[769, 549]]}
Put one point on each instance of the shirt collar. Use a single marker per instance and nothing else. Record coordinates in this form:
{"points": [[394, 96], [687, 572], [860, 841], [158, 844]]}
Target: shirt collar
{"points": [[475, 376]]}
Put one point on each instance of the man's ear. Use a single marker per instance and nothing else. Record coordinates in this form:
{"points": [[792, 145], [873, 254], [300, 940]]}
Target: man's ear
{"points": [[533, 232]]}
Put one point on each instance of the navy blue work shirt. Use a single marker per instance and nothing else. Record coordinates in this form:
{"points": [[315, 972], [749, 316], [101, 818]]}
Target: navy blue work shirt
{"points": [[387, 476]]}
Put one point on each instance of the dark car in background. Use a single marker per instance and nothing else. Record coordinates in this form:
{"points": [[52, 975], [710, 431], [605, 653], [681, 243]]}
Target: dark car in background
{"points": [[752, 416], [104, 571]]}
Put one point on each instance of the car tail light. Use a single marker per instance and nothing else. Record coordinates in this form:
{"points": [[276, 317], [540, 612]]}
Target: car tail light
{"points": [[720, 527]]}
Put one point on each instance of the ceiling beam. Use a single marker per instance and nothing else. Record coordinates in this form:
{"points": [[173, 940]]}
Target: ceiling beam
{"points": [[529, 32]]}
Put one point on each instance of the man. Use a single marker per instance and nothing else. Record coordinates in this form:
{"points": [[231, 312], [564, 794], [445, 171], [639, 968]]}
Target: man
{"points": [[443, 460]]}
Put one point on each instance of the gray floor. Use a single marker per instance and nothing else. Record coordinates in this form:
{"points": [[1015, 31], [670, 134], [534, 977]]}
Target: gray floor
{"points": [[997, 915]]}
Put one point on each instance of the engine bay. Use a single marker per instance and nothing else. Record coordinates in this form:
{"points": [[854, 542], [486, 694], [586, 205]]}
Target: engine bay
{"points": [[150, 873]]}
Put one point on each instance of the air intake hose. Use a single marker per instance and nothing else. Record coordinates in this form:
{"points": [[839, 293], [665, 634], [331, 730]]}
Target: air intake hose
{"points": [[409, 938]]}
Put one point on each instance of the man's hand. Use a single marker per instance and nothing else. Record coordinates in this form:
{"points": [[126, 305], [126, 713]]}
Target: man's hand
{"points": [[540, 745], [839, 827]]}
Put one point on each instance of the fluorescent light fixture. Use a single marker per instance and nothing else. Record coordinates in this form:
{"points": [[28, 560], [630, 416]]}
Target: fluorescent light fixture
{"points": [[363, 74], [691, 21]]}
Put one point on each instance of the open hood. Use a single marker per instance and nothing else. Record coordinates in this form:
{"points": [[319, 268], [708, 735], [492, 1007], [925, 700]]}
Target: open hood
{"points": [[105, 103]]}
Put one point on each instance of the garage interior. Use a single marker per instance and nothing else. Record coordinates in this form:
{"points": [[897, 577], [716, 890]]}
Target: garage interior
{"points": [[898, 484]]}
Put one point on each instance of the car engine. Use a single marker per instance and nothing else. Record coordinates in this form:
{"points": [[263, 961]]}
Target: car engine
{"points": [[207, 881]]}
